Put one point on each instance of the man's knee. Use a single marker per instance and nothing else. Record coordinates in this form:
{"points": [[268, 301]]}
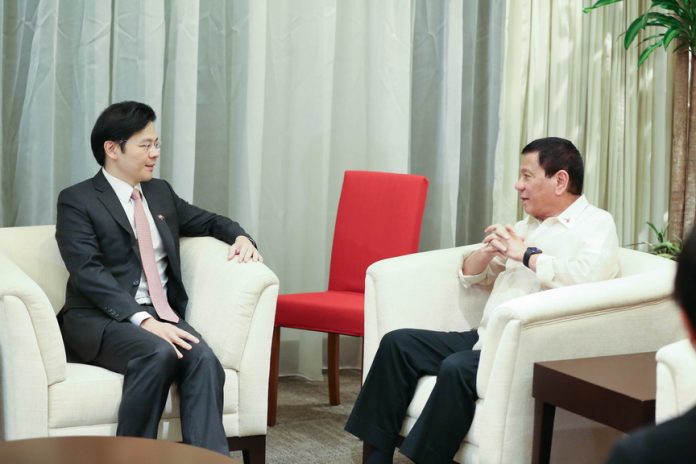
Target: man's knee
{"points": [[202, 356], [461, 366], [163, 357], [396, 338]]}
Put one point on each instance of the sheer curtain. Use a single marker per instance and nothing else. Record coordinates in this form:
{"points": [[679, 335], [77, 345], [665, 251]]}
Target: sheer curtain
{"points": [[262, 105], [567, 74]]}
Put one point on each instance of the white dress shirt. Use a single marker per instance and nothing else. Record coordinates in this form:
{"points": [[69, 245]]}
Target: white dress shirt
{"points": [[124, 191], [579, 245]]}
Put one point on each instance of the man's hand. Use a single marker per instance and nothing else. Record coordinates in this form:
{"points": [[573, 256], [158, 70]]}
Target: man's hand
{"points": [[245, 250], [505, 240], [171, 333]]}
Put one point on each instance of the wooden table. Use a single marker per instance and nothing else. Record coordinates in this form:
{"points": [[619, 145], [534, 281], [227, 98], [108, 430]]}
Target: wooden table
{"points": [[618, 391], [105, 450]]}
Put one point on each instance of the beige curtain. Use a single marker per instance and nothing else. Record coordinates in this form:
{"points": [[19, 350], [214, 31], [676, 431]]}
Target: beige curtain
{"points": [[567, 74]]}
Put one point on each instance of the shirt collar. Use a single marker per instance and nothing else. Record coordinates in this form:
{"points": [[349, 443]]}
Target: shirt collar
{"points": [[122, 188], [570, 215]]}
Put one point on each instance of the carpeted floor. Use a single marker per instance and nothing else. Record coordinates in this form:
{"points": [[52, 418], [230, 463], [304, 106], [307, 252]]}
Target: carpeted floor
{"points": [[309, 430]]}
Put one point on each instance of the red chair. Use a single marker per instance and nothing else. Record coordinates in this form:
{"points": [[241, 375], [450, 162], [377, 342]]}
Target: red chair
{"points": [[379, 216]]}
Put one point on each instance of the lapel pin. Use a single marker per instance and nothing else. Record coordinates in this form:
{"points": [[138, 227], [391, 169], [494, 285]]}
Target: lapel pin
{"points": [[160, 217]]}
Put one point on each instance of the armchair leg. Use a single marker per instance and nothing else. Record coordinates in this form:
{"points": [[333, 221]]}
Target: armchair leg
{"points": [[253, 448], [273, 379], [334, 384]]}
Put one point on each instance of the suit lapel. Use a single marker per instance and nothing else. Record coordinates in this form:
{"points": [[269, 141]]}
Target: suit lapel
{"points": [[110, 201], [156, 206]]}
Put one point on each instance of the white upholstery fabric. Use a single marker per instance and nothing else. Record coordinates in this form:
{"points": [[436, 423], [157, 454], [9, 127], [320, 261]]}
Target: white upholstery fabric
{"points": [[632, 313], [676, 380], [232, 305]]}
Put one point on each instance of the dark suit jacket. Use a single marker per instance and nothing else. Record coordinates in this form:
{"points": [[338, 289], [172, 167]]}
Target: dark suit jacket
{"points": [[673, 441], [101, 253]]}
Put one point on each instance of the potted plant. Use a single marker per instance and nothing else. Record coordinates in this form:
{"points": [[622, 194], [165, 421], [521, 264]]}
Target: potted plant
{"points": [[663, 247]]}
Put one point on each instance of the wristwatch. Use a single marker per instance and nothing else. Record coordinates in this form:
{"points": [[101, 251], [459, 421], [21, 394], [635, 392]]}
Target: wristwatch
{"points": [[528, 254]]}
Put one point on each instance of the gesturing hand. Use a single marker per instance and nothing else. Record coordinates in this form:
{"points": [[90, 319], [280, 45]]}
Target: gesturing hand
{"points": [[171, 333], [245, 249], [505, 240]]}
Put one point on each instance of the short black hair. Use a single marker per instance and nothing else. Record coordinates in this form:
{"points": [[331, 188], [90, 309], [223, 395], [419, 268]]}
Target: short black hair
{"points": [[557, 154], [684, 287], [119, 122]]}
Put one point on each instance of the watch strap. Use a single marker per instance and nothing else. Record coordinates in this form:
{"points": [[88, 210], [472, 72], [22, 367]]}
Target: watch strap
{"points": [[528, 254]]}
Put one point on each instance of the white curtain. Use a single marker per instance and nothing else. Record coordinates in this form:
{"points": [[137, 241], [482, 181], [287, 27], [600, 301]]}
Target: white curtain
{"points": [[567, 74], [262, 106]]}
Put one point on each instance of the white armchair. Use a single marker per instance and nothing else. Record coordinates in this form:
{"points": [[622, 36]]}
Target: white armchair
{"points": [[231, 305], [632, 313], [676, 380]]}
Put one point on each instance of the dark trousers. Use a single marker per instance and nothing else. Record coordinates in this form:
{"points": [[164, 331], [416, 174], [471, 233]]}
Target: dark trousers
{"points": [[149, 365], [403, 357]]}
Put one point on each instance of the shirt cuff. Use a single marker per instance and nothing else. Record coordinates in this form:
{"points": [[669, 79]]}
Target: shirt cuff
{"points": [[544, 269], [139, 317], [470, 280]]}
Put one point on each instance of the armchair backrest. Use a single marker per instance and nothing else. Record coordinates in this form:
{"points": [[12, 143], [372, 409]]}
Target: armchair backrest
{"points": [[379, 216], [32, 291], [35, 251], [634, 262]]}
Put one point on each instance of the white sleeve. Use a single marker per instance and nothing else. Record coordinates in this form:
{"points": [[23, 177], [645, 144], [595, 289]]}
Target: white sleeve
{"points": [[597, 259]]}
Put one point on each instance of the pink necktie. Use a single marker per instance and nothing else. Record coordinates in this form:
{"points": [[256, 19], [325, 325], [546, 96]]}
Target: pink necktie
{"points": [[147, 258]]}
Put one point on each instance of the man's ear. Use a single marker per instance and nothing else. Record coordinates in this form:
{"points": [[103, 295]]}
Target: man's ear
{"points": [[689, 328], [562, 181], [111, 149]]}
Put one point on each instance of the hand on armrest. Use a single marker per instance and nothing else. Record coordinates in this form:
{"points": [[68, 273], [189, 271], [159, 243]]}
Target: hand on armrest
{"points": [[223, 296]]}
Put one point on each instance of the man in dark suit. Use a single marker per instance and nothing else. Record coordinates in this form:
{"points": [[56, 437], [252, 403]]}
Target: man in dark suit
{"points": [[118, 234], [671, 441]]}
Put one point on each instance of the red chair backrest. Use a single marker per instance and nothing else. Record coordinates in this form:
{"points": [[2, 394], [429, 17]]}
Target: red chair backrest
{"points": [[379, 216]]}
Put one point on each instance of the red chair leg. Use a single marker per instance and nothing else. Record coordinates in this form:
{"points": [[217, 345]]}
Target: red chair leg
{"points": [[334, 391], [273, 378]]}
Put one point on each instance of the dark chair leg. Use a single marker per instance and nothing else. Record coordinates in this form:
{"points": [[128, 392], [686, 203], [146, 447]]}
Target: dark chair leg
{"points": [[253, 448], [273, 378], [334, 383]]}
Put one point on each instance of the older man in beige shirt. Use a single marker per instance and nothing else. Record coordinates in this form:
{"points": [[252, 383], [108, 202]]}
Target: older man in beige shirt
{"points": [[563, 241]]}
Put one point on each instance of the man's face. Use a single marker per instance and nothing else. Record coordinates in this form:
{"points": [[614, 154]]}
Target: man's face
{"points": [[538, 193], [136, 161]]}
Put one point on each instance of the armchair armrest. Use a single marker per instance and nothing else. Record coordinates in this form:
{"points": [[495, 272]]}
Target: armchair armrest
{"points": [[595, 319], [676, 380], [419, 290], [32, 355], [625, 315], [233, 306], [224, 298]]}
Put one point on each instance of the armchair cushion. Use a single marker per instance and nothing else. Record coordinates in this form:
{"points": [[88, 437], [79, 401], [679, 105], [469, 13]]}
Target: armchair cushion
{"points": [[72, 403]]}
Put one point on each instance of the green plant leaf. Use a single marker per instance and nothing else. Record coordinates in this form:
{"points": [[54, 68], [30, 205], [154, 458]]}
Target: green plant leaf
{"points": [[646, 53], [632, 32], [669, 5], [651, 37], [599, 4], [669, 36], [663, 20]]}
